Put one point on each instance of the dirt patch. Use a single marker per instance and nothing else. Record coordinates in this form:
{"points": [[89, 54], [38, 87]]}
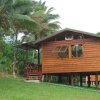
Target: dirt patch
{"points": [[5, 75]]}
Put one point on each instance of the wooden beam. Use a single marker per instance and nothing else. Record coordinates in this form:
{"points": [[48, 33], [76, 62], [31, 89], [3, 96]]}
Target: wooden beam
{"points": [[59, 78], [38, 58], [81, 80], [96, 81], [49, 78], [72, 80], [70, 52], [69, 79], [89, 82], [46, 77]]}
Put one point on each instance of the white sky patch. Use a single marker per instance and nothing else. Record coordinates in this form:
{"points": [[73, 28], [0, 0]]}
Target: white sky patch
{"points": [[78, 14], [20, 36]]}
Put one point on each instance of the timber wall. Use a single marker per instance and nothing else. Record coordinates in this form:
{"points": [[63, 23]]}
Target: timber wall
{"points": [[92, 78], [89, 62]]}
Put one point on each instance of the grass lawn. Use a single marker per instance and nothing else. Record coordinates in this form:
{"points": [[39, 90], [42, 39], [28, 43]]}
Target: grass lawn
{"points": [[16, 89]]}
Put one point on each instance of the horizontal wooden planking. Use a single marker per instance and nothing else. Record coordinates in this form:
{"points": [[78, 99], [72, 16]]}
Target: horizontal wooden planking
{"points": [[89, 62], [92, 78]]}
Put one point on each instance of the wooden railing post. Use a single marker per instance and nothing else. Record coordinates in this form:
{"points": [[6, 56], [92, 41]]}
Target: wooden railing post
{"points": [[38, 59]]}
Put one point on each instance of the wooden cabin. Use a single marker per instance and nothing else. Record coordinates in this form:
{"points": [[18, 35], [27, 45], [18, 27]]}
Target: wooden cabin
{"points": [[68, 53]]}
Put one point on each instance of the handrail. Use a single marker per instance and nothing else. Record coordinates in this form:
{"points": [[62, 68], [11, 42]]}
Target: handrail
{"points": [[33, 68]]}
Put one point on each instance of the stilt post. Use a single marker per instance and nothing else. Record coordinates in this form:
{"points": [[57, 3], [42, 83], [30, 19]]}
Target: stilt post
{"points": [[89, 82], [69, 79], [72, 80], [49, 78], [81, 80], [96, 81], [59, 78]]}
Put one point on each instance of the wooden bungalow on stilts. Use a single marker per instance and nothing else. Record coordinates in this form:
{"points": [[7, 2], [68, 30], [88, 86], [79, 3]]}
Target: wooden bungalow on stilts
{"points": [[70, 53]]}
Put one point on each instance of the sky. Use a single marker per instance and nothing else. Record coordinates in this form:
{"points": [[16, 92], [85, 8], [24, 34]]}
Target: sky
{"points": [[82, 15]]}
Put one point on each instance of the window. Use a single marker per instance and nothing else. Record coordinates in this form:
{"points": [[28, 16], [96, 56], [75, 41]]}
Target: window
{"points": [[77, 50], [67, 51], [57, 49], [62, 51]]}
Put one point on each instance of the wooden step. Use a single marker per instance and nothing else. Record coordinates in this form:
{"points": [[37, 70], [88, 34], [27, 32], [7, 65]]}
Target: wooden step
{"points": [[34, 73], [34, 77]]}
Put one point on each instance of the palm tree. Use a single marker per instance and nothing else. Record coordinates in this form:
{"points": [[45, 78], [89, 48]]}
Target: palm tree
{"points": [[47, 21]]}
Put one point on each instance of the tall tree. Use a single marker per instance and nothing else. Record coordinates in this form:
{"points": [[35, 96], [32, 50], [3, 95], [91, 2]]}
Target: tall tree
{"points": [[28, 16], [14, 17], [46, 20]]}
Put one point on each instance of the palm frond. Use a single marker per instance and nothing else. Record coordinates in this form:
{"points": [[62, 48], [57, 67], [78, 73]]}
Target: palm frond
{"points": [[38, 13], [52, 17], [54, 25], [23, 17], [50, 10], [23, 6]]}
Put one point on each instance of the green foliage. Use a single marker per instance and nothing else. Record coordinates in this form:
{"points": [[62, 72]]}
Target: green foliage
{"points": [[20, 62], [34, 19], [98, 33], [7, 58], [12, 11]]}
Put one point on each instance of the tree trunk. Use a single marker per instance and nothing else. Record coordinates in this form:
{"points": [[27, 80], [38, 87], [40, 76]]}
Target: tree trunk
{"points": [[33, 55], [15, 50]]}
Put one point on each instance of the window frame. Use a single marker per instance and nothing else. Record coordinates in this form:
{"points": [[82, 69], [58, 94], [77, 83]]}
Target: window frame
{"points": [[82, 50], [60, 47]]}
